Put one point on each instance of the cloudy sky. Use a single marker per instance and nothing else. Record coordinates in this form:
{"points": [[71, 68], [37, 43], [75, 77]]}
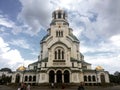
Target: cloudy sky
{"points": [[96, 23]]}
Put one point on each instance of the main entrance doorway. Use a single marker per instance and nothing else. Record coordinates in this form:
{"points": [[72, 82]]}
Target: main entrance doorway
{"points": [[59, 76], [17, 79]]}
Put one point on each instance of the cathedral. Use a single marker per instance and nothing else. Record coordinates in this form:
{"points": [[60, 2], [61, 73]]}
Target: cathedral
{"points": [[60, 59]]}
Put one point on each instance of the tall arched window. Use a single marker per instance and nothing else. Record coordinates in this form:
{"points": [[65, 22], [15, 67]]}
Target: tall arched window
{"points": [[30, 78], [93, 78], [62, 54], [89, 78], [34, 78], [26, 78], [59, 15], [56, 33], [55, 54], [61, 33], [85, 78], [59, 53]]}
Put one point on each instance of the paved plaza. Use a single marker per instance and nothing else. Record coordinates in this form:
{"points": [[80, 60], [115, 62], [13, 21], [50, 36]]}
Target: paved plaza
{"points": [[3, 87]]}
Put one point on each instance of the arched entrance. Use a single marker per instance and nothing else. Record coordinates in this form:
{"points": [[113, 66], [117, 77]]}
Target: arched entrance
{"points": [[66, 76], [59, 76], [102, 76], [17, 80], [51, 77]]}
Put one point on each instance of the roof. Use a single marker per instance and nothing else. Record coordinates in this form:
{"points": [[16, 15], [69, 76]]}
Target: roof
{"points": [[34, 63], [21, 68], [74, 37], [44, 37], [99, 68]]}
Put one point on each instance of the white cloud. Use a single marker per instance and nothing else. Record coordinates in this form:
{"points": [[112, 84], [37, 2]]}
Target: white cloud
{"points": [[20, 43], [6, 22], [36, 14], [11, 58], [115, 40], [105, 54]]}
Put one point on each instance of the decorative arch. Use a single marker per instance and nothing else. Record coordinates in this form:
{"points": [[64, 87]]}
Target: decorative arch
{"points": [[93, 78], [66, 76], [59, 53], [26, 78], [17, 79], [59, 14], [89, 78], [102, 77], [30, 78], [51, 76], [34, 78], [59, 76], [85, 78]]}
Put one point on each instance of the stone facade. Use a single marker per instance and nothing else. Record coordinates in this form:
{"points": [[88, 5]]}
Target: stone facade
{"points": [[60, 60]]}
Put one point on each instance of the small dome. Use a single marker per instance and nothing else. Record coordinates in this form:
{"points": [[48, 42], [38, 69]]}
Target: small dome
{"points": [[99, 68], [21, 68]]}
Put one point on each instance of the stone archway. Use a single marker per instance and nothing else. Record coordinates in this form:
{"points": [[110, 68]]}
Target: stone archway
{"points": [[59, 76], [17, 79], [102, 77], [66, 76], [51, 76]]}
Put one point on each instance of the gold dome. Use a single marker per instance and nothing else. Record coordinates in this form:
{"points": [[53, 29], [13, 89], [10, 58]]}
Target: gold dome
{"points": [[21, 68], [99, 68]]}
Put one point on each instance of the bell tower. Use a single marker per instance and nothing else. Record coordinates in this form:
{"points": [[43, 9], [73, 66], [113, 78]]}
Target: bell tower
{"points": [[59, 16], [59, 26]]}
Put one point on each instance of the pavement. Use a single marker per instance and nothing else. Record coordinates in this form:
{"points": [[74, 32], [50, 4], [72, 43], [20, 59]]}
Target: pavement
{"points": [[3, 87]]}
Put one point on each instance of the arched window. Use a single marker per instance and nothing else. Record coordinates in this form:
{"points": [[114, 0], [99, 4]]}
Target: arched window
{"points": [[102, 76], [93, 78], [55, 54], [17, 80], [85, 78], [34, 78], [59, 53], [26, 78], [54, 15], [56, 33], [30, 78], [64, 15], [59, 15], [62, 54], [89, 78], [61, 33]]}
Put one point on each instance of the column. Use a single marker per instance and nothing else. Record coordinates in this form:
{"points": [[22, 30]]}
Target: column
{"points": [[62, 77], [55, 78]]}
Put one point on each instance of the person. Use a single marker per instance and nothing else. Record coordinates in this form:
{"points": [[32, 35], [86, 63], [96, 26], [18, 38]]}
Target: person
{"points": [[52, 85], [19, 87], [63, 86], [23, 86], [81, 86], [28, 87]]}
